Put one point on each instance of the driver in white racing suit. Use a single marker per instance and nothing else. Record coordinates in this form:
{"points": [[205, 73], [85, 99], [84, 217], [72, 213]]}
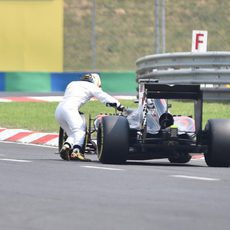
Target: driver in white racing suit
{"points": [[67, 114]]}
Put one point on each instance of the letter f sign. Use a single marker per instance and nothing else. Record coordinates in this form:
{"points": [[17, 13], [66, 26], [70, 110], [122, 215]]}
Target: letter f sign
{"points": [[199, 41]]}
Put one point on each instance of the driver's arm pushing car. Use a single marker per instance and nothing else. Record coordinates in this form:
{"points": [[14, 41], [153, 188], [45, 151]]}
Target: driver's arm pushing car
{"points": [[119, 107], [67, 114]]}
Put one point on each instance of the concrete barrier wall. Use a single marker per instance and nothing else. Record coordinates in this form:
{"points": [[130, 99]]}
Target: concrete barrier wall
{"points": [[113, 82]]}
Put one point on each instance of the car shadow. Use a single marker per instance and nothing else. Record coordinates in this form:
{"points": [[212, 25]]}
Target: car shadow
{"points": [[151, 163], [155, 163], [165, 164]]}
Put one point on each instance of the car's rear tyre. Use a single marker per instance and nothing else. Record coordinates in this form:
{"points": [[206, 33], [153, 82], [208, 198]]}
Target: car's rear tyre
{"points": [[218, 140], [113, 140], [62, 138], [181, 158]]}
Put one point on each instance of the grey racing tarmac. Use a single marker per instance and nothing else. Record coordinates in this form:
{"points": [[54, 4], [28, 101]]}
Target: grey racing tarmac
{"points": [[40, 191]]}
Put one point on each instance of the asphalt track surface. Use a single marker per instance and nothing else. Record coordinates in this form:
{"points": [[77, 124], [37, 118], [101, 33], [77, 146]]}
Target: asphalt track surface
{"points": [[38, 190]]}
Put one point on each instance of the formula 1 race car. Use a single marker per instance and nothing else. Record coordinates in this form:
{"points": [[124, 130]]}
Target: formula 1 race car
{"points": [[152, 132]]}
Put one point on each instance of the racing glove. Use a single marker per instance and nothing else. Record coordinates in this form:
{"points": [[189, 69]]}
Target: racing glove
{"points": [[120, 108]]}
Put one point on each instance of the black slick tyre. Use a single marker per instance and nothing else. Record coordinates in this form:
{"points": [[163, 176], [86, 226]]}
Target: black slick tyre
{"points": [[218, 141], [61, 138], [113, 140]]}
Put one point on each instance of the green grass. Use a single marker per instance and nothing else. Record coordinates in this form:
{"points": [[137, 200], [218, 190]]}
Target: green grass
{"points": [[28, 115], [210, 109], [125, 30], [40, 116]]}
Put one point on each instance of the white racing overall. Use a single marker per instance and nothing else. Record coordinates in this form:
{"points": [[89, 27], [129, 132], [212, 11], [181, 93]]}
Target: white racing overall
{"points": [[77, 93]]}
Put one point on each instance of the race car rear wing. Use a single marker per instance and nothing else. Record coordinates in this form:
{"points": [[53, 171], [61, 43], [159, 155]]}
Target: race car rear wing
{"points": [[168, 91], [173, 91], [152, 89]]}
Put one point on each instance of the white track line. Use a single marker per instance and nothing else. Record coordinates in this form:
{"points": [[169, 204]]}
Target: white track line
{"points": [[48, 98], [103, 168], [5, 100], [195, 177], [15, 160]]}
